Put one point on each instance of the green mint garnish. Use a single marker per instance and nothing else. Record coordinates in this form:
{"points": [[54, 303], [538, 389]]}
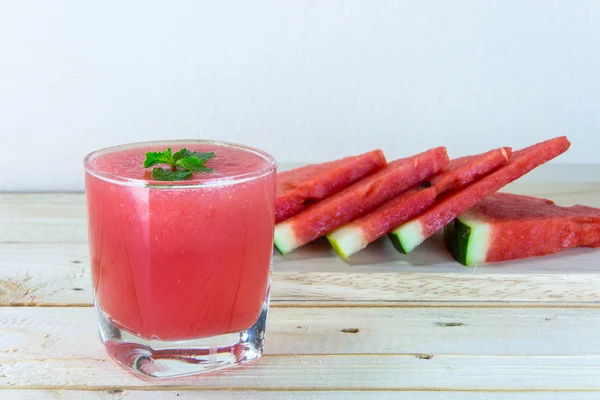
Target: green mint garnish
{"points": [[185, 153], [161, 174], [182, 164], [158, 157], [192, 164]]}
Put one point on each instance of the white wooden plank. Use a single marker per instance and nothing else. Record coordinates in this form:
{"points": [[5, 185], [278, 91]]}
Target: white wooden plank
{"points": [[62, 199], [120, 394], [45, 333], [44, 274], [59, 274], [318, 372], [43, 217]]}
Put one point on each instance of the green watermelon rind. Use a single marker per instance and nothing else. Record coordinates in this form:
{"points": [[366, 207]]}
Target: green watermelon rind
{"points": [[284, 239], [467, 239], [347, 240], [396, 243], [456, 239], [407, 237]]}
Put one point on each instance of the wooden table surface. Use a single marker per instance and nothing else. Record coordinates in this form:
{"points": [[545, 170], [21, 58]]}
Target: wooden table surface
{"points": [[384, 326]]}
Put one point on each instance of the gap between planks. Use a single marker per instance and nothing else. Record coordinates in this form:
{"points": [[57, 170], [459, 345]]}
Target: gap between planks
{"points": [[300, 395], [220, 389], [160, 394], [350, 304]]}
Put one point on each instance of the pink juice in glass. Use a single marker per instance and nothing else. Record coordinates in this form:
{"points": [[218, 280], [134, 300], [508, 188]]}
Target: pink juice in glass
{"points": [[181, 261]]}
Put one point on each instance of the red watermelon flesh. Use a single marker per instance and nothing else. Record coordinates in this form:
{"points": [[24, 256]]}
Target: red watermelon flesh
{"points": [[412, 233], [356, 235], [466, 170], [315, 182], [507, 226], [358, 199]]}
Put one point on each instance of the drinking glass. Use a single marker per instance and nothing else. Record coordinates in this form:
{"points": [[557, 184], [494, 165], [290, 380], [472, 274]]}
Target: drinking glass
{"points": [[181, 270]]}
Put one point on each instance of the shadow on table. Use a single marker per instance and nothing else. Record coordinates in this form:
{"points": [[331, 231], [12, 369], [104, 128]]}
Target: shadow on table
{"points": [[432, 252], [381, 253]]}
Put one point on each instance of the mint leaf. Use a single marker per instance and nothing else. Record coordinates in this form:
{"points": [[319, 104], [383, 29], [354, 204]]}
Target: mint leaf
{"points": [[192, 164], [159, 157], [185, 153], [183, 164], [162, 174], [203, 169], [181, 154]]}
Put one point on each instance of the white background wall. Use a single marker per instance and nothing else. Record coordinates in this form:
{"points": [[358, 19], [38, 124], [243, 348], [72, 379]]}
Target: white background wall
{"points": [[305, 80]]}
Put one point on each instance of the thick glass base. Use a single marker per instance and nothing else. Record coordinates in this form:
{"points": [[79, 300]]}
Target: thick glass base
{"points": [[164, 359]]}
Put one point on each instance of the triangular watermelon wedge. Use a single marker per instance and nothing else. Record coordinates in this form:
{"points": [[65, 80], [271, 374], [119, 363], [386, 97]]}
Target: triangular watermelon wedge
{"points": [[298, 187], [412, 233], [358, 199], [356, 235], [507, 226]]}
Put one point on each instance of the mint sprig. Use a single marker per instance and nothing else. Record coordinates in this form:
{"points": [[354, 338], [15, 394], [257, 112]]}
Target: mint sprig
{"points": [[182, 164], [159, 157]]}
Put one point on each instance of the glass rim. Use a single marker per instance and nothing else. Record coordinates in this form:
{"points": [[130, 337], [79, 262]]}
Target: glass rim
{"points": [[207, 182]]}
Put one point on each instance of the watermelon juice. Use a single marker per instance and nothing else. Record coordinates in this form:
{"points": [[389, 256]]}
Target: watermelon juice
{"points": [[183, 260]]}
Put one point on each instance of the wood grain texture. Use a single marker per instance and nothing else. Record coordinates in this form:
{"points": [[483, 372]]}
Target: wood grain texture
{"points": [[47, 333], [344, 372], [400, 349], [59, 274], [43, 218], [120, 394]]}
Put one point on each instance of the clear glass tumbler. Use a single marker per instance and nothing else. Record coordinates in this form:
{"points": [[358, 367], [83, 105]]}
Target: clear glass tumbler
{"points": [[181, 270]]}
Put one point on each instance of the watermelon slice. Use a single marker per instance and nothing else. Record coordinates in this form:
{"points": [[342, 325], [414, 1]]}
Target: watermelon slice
{"points": [[508, 227], [356, 235], [358, 199], [412, 233], [315, 182]]}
